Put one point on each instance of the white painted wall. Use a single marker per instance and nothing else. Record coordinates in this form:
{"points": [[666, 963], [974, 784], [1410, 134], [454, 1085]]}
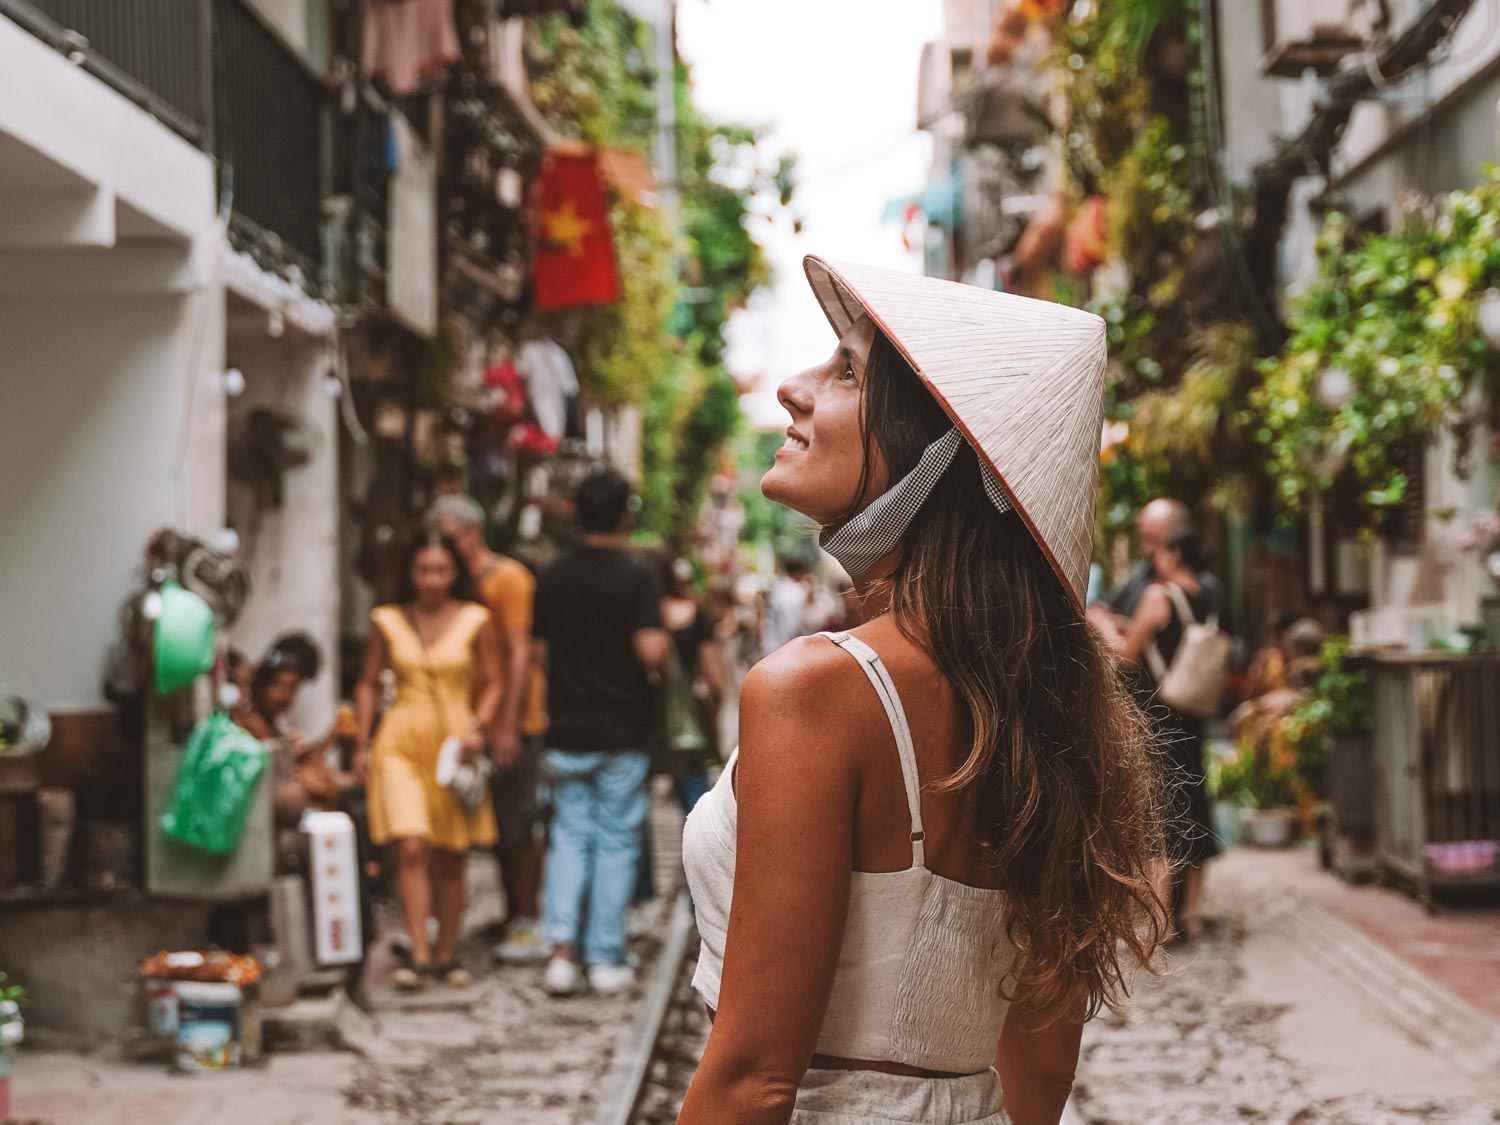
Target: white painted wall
{"points": [[111, 335], [161, 186], [1441, 155], [1472, 51], [1252, 103], [292, 552], [98, 398], [1444, 570]]}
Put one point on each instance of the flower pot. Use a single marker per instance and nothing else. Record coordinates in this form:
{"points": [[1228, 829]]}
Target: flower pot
{"points": [[7, 1064], [1268, 828], [1227, 817]]}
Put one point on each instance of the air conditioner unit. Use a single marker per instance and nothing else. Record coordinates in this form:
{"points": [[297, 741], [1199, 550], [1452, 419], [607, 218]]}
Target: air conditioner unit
{"points": [[1303, 35]]}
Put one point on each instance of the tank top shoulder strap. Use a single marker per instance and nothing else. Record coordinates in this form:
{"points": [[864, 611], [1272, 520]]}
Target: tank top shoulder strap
{"points": [[885, 688]]}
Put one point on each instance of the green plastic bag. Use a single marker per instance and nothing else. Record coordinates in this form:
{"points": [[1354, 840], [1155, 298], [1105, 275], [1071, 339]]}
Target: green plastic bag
{"points": [[215, 786]]}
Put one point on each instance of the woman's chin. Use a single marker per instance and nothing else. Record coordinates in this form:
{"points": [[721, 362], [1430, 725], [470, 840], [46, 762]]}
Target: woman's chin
{"points": [[775, 487]]}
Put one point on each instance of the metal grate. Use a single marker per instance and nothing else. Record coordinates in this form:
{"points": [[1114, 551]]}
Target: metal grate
{"points": [[269, 130], [152, 51]]}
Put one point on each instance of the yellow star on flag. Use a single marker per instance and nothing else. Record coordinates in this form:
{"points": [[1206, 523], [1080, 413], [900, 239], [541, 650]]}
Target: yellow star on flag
{"points": [[566, 228]]}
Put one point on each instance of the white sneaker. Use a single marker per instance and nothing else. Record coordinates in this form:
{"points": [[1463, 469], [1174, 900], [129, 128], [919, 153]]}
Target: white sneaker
{"points": [[562, 977], [607, 979], [523, 944]]}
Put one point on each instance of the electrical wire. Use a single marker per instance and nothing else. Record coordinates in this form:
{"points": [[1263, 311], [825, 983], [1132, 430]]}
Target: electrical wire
{"points": [[347, 411]]}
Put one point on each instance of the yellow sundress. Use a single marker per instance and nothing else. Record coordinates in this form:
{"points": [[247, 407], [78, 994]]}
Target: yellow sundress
{"points": [[434, 698]]}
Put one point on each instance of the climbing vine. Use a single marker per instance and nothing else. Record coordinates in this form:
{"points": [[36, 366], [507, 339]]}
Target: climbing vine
{"points": [[1385, 345]]}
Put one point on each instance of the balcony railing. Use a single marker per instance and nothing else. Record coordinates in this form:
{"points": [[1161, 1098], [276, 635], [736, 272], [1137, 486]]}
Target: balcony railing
{"points": [[270, 124], [154, 52], [215, 73]]}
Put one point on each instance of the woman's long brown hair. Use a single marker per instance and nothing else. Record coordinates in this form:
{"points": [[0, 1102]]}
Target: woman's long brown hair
{"points": [[1058, 779]]}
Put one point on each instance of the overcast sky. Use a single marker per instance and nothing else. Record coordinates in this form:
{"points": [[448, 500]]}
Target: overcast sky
{"points": [[834, 81]]}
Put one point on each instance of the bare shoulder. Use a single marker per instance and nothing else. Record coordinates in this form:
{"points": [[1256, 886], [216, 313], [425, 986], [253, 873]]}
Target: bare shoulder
{"points": [[807, 694], [801, 671]]}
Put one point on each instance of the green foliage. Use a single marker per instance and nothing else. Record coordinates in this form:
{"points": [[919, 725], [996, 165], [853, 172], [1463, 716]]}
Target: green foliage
{"points": [[1126, 138], [1151, 206], [1257, 779], [1290, 766], [671, 398], [657, 347], [1395, 314], [12, 996], [712, 422], [591, 82], [625, 347], [1108, 95], [1337, 704], [1127, 483], [691, 414], [1185, 425]]}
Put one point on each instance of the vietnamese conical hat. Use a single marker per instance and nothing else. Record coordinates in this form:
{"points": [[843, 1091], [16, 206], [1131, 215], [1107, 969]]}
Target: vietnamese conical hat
{"points": [[1022, 379]]}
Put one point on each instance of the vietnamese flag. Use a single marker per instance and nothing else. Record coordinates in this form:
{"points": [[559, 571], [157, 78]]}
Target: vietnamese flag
{"points": [[575, 253]]}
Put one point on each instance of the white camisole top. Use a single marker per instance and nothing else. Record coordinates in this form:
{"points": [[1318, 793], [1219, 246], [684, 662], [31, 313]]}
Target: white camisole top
{"points": [[924, 958]]}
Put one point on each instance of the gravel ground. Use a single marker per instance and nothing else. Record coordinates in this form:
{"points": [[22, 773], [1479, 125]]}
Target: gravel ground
{"points": [[509, 1054], [514, 1056]]}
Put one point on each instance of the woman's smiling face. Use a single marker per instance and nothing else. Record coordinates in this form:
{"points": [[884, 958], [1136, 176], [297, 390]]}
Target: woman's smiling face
{"points": [[819, 469]]}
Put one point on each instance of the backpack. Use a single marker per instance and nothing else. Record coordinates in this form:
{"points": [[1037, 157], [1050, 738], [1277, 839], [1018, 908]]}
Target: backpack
{"points": [[1194, 683]]}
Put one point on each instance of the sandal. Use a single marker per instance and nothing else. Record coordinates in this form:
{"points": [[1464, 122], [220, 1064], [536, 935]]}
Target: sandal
{"points": [[411, 978], [453, 975]]}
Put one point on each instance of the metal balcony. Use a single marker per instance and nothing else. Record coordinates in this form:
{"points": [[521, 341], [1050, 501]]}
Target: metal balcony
{"points": [[154, 52], [270, 127]]}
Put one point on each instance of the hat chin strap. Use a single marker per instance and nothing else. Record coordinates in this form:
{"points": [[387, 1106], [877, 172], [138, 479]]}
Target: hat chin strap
{"points": [[861, 542]]}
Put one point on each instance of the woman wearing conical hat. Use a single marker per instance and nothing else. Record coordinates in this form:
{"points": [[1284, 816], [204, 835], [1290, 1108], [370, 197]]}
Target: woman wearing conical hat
{"points": [[938, 832]]}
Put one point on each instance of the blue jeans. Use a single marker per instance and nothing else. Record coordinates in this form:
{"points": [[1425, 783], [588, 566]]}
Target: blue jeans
{"points": [[599, 803]]}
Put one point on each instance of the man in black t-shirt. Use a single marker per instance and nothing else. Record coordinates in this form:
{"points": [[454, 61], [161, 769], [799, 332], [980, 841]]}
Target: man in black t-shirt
{"points": [[598, 626]]}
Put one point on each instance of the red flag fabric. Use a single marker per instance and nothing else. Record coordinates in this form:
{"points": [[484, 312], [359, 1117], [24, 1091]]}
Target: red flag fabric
{"points": [[575, 253]]}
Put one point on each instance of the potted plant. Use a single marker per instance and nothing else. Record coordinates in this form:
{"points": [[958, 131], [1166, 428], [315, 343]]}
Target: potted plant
{"points": [[1330, 732], [1264, 780], [12, 1029]]}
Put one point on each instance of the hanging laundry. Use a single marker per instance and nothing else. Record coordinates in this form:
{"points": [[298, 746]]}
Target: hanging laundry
{"points": [[406, 41], [550, 378]]}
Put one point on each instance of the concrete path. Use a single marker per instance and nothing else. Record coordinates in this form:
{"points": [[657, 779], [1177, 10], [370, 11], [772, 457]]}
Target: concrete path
{"points": [[1287, 1015]]}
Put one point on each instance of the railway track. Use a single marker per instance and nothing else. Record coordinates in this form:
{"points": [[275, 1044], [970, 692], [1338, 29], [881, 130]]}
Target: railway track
{"points": [[656, 1054]]}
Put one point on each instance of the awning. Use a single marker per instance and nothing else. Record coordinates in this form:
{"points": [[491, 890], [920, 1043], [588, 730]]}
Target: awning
{"points": [[631, 174]]}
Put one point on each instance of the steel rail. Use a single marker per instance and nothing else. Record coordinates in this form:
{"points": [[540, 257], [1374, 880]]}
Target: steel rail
{"points": [[637, 1044]]}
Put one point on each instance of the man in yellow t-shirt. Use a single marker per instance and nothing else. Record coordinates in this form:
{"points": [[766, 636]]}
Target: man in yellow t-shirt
{"points": [[508, 589]]}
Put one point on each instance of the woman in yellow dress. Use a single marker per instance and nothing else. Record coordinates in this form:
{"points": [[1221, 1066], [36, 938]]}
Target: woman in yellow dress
{"points": [[442, 647]]}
